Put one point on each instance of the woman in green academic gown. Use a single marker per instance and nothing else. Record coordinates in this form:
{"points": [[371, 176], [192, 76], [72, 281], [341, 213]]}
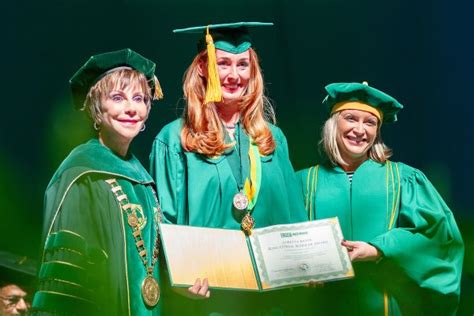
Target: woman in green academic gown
{"points": [[224, 163], [101, 211], [401, 236]]}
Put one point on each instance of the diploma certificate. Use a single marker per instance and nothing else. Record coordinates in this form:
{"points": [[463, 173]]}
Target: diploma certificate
{"points": [[271, 257], [299, 253]]}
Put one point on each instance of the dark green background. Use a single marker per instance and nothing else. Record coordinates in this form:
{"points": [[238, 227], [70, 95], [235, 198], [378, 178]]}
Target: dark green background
{"points": [[421, 52]]}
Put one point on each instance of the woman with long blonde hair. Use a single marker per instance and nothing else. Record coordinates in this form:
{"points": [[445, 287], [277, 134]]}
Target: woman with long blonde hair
{"points": [[225, 164]]}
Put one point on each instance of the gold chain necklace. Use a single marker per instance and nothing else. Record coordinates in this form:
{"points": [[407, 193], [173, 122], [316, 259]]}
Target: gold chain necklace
{"points": [[150, 288]]}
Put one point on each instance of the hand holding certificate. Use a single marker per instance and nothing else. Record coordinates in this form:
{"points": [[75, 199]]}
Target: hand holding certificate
{"points": [[272, 257]]}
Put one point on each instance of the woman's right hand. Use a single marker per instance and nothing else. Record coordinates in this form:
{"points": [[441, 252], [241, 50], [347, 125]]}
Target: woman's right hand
{"points": [[200, 290], [361, 251]]}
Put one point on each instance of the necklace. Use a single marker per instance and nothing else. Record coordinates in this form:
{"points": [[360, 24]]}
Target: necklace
{"points": [[237, 159], [248, 185], [149, 288]]}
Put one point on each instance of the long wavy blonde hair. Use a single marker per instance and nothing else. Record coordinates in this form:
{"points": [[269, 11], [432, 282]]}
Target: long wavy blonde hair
{"points": [[203, 131]]}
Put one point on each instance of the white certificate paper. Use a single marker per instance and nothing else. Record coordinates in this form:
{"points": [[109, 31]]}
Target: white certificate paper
{"points": [[299, 253], [271, 257]]}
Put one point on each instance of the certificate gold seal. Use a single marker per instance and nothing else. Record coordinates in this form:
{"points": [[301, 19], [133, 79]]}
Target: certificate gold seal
{"points": [[150, 291]]}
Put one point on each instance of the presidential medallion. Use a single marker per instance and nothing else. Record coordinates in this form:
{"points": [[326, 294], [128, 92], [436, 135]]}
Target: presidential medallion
{"points": [[240, 201], [247, 224], [150, 291]]}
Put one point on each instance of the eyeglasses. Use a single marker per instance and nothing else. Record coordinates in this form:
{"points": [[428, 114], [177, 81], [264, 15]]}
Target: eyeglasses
{"points": [[12, 299]]}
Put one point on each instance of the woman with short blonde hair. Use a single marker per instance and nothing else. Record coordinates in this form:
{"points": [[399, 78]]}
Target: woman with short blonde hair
{"points": [[378, 151], [403, 240], [100, 253]]}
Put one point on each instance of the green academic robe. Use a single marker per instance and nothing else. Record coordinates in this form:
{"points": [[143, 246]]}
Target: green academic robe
{"points": [[198, 191], [90, 264], [395, 208]]}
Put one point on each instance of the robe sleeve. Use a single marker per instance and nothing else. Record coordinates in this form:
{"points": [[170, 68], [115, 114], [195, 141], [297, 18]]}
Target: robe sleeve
{"points": [[295, 195], [73, 260], [306, 185], [168, 170], [425, 243]]}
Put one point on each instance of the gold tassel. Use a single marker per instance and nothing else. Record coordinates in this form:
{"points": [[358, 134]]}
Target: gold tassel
{"points": [[158, 92], [213, 90]]}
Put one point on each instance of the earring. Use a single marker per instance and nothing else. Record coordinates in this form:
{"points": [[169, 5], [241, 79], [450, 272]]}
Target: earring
{"points": [[96, 126], [143, 127]]}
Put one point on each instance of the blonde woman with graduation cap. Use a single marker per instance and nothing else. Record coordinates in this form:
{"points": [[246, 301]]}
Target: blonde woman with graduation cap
{"points": [[224, 163], [100, 254], [401, 236]]}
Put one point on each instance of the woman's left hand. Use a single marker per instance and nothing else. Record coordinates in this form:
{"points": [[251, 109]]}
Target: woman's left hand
{"points": [[361, 251]]}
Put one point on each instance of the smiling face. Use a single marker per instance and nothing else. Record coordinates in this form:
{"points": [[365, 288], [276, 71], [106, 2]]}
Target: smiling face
{"points": [[356, 133], [119, 104], [234, 74], [124, 111]]}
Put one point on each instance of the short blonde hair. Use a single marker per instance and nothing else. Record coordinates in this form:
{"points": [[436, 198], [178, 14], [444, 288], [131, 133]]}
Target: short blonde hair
{"points": [[119, 79], [378, 151]]}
